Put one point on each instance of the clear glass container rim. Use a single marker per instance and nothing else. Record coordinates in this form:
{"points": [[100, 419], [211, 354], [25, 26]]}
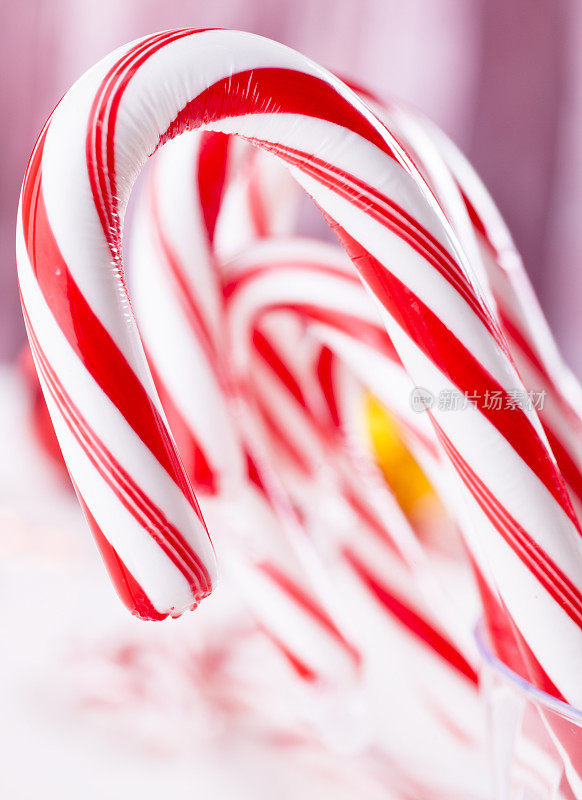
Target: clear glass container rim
{"points": [[519, 683]]}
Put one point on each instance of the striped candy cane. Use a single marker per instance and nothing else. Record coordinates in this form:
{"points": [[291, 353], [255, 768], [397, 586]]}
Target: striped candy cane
{"points": [[396, 598], [299, 391], [383, 568], [292, 378], [253, 279], [301, 418], [484, 235], [272, 255], [93, 368], [561, 392], [172, 242]]}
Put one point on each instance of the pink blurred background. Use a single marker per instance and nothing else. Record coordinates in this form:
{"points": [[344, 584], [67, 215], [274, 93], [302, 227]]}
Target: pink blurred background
{"points": [[504, 79]]}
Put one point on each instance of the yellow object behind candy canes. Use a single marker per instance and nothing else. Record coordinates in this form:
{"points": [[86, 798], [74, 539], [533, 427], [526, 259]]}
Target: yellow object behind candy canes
{"points": [[406, 479]]}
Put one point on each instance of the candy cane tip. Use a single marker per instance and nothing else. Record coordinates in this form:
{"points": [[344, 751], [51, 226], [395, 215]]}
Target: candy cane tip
{"points": [[145, 612]]}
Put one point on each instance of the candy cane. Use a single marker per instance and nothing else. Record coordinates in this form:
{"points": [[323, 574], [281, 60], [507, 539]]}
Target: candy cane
{"points": [[180, 183], [285, 275], [312, 446], [373, 566], [172, 242], [176, 191], [569, 424], [252, 292], [373, 557], [87, 348], [286, 254], [485, 237], [483, 233]]}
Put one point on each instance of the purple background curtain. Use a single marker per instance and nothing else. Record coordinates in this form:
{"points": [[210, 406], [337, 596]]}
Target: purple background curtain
{"points": [[502, 78]]}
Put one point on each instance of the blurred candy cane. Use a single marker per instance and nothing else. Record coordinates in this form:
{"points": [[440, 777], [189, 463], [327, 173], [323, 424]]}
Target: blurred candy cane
{"points": [[562, 392], [387, 580], [382, 567], [271, 279], [163, 249], [118, 449], [172, 243], [299, 416]]}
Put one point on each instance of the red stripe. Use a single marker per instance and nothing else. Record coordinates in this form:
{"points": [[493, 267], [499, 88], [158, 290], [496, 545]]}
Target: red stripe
{"points": [[568, 467], [565, 790], [101, 129], [275, 90], [211, 177], [374, 336], [129, 590], [356, 197], [535, 673], [384, 206], [478, 223], [254, 474], [544, 569], [272, 358], [519, 339], [497, 621], [308, 604], [367, 333], [418, 436], [147, 515], [99, 177], [278, 264], [364, 93], [420, 627], [324, 369], [567, 733], [195, 461], [370, 333], [140, 506], [40, 417], [256, 206], [281, 436], [302, 669], [459, 365], [184, 292], [320, 427], [372, 522], [31, 196], [525, 547]]}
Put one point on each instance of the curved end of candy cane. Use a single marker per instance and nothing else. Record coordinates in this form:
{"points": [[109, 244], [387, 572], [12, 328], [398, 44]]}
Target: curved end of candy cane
{"points": [[134, 597], [130, 591]]}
